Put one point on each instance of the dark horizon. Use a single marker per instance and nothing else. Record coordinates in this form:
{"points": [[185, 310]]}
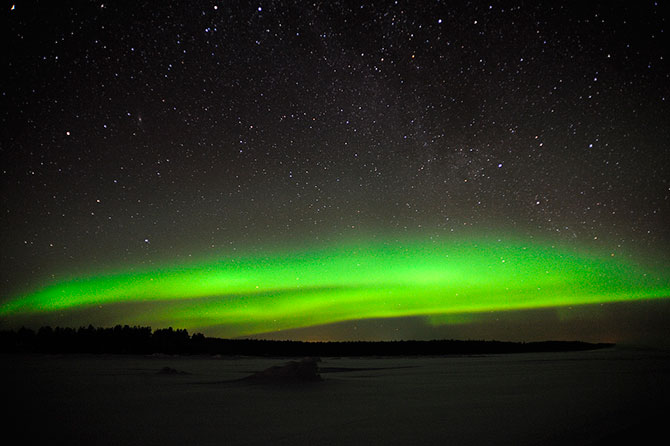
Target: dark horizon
{"points": [[144, 340], [640, 323]]}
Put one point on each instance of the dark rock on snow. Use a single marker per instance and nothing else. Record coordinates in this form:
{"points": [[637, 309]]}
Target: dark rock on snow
{"points": [[303, 370]]}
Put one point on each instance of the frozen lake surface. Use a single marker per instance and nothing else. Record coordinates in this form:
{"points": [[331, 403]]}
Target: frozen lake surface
{"points": [[593, 397]]}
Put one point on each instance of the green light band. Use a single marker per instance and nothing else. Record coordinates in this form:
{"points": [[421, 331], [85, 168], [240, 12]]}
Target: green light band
{"points": [[262, 293]]}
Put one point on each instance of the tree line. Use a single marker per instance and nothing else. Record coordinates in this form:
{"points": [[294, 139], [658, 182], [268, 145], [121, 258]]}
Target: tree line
{"points": [[143, 340]]}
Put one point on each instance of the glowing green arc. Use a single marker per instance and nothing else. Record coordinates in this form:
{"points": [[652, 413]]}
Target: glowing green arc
{"points": [[378, 280]]}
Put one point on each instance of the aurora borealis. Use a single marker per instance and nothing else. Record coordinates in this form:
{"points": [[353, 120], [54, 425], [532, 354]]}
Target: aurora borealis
{"points": [[338, 170], [250, 295]]}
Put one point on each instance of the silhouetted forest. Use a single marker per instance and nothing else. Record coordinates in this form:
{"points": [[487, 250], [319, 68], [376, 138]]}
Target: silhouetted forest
{"points": [[142, 340]]}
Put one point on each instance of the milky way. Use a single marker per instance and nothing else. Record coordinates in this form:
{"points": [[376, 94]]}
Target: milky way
{"points": [[141, 142]]}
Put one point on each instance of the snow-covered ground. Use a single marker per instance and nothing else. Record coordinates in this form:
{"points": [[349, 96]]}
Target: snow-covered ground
{"points": [[548, 398]]}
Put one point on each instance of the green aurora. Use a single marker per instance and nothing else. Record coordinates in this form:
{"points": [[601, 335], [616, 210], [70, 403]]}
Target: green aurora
{"points": [[437, 280]]}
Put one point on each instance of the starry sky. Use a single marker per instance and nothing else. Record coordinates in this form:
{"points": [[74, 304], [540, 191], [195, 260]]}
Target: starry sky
{"points": [[150, 138]]}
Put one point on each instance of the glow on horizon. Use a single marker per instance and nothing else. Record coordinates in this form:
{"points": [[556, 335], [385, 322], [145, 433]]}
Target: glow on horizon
{"points": [[437, 280]]}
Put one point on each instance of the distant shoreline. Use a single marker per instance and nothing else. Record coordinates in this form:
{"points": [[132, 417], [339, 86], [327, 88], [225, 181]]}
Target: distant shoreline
{"points": [[144, 340]]}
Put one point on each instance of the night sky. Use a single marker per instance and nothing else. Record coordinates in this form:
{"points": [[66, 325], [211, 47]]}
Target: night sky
{"points": [[162, 141]]}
